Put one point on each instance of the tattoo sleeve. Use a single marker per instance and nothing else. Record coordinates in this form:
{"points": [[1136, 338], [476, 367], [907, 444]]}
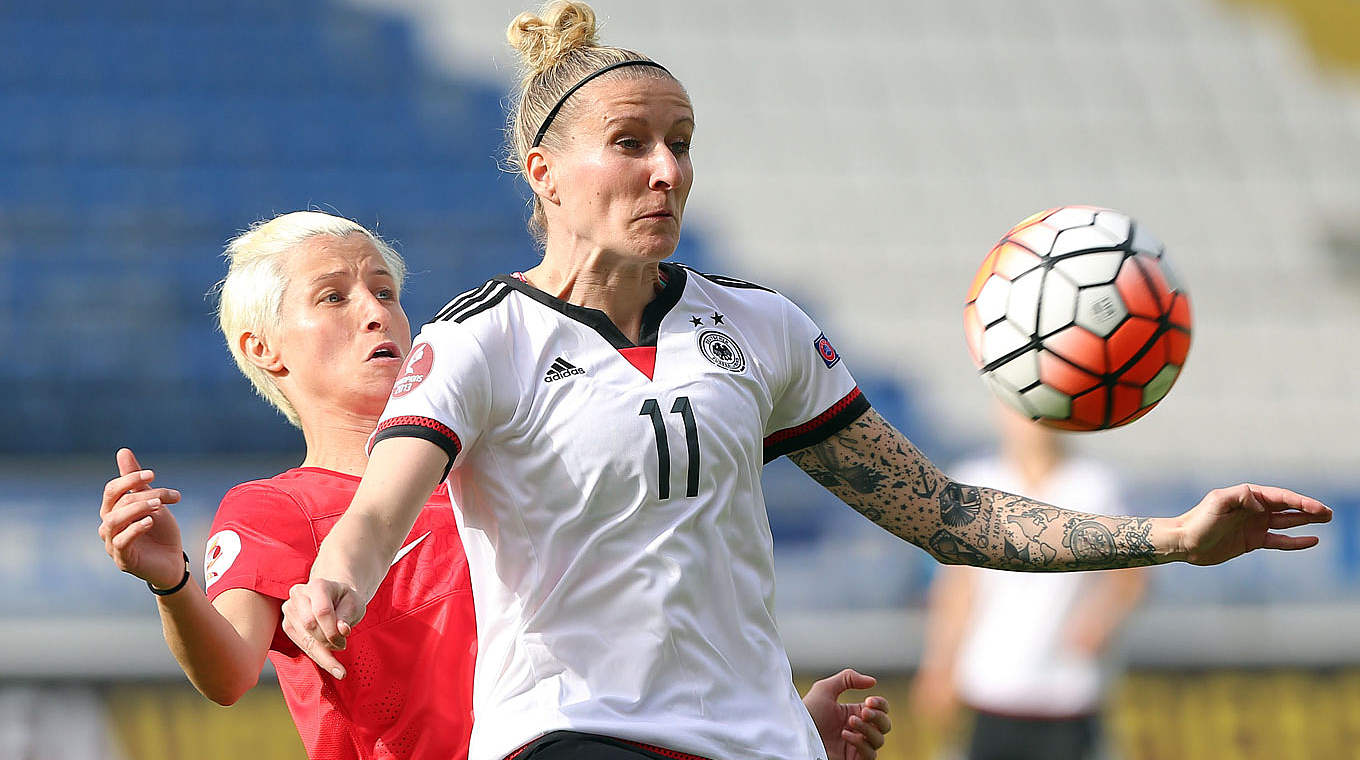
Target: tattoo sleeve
{"points": [[877, 471]]}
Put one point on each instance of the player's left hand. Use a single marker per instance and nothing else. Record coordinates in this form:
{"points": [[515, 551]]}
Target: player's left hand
{"points": [[138, 530], [1232, 521], [848, 731]]}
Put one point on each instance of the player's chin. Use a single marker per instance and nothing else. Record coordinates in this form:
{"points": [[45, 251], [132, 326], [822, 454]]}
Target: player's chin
{"points": [[377, 380], [657, 244]]}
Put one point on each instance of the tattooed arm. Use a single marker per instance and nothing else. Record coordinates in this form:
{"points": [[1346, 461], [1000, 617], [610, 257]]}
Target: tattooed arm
{"points": [[875, 469]]}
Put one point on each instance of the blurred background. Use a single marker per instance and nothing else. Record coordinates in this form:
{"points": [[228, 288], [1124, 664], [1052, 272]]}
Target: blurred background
{"points": [[860, 156]]}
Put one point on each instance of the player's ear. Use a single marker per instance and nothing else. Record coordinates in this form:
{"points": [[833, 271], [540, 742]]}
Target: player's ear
{"points": [[538, 168], [258, 351]]}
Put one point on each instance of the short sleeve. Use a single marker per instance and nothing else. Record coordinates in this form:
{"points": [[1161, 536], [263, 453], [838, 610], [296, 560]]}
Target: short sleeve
{"points": [[443, 393], [817, 397], [261, 540]]}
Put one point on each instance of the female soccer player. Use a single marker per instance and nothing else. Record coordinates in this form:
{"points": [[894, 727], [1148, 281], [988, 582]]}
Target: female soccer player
{"points": [[311, 312], [602, 420]]}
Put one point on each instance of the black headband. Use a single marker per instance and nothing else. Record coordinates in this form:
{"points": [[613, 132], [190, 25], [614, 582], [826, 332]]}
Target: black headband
{"points": [[538, 138]]}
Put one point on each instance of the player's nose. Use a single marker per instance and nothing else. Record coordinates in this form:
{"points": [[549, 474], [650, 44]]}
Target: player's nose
{"points": [[666, 171], [374, 313]]}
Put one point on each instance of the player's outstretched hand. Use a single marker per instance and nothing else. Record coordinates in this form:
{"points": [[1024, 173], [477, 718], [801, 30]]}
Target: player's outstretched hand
{"points": [[138, 531], [1232, 521], [848, 731], [319, 616]]}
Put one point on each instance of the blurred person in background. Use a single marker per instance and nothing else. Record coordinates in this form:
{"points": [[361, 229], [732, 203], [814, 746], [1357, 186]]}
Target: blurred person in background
{"points": [[311, 313], [568, 405], [1030, 656]]}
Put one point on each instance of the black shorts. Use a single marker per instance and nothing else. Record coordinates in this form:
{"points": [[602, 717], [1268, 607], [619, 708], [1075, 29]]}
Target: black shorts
{"points": [[572, 745], [1001, 737]]}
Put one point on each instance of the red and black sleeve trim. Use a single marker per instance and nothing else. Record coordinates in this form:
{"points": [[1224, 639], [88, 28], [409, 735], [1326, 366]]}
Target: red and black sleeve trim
{"points": [[433, 431], [817, 429]]}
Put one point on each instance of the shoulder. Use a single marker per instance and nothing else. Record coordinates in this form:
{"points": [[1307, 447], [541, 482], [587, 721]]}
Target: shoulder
{"points": [[295, 495], [740, 296], [465, 306], [722, 280]]}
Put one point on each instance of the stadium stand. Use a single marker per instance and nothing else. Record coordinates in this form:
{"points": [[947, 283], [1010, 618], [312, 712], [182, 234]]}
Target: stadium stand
{"points": [[138, 136], [901, 139], [860, 156]]}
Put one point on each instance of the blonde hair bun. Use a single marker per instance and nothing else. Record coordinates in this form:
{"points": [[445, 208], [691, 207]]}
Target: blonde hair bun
{"points": [[544, 40]]}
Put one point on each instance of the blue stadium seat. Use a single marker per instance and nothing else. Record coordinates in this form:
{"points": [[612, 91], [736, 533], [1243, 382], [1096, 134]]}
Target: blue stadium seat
{"points": [[139, 136]]}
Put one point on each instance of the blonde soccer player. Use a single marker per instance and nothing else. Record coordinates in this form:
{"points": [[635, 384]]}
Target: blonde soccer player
{"points": [[311, 311]]}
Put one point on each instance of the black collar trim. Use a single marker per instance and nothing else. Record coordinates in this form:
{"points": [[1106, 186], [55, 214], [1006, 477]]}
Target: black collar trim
{"points": [[652, 315]]}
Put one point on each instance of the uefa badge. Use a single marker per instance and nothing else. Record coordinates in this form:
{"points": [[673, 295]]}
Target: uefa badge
{"points": [[826, 351], [720, 349]]}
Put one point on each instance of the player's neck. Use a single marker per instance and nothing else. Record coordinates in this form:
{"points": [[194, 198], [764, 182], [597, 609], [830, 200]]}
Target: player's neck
{"points": [[338, 444], [620, 288]]}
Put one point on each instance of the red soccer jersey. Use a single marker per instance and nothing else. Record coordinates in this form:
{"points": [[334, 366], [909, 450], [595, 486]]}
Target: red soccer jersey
{"points": [[407, 692]]}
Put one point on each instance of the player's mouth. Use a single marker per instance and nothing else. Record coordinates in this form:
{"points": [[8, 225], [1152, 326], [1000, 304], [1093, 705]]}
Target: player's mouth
{"points": [[385, 352], [658, 214]]}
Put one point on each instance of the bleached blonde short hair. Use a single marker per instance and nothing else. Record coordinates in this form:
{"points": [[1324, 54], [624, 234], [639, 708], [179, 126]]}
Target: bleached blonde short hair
{"points": [[250, 295]]}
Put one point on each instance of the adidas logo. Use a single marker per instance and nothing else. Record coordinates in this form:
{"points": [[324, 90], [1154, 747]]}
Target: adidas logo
{"points": [[562, 369]]}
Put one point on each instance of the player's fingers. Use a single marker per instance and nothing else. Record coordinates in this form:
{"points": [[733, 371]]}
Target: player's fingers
{"points": [[299, 624], [865, 743], [127, 461], [1289, 543], [853, 679], [116, 520], [120, 542], [319, 653], [1278, 499], [114, 489], [870, 732], [877, 703], [349, 610], [166, 495], [877, 718], [323, 623], [859, 750], [1286, 520], [847, 679]]}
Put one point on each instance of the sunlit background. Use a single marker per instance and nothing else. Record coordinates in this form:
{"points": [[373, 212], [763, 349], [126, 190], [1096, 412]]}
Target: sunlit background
{"points": [[860, 156]]}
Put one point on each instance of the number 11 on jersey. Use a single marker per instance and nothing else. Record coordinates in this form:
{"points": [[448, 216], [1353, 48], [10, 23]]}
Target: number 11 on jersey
{"points": [[650, 408]]}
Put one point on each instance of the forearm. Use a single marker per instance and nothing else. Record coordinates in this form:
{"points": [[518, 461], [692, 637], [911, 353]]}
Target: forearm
{"points": [[219, 661], [1016, 533], [401, 474], [875, 469], [358, 549]]}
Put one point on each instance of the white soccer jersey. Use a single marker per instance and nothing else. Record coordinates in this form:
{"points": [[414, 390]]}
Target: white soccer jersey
{"points": [[610, 505]]}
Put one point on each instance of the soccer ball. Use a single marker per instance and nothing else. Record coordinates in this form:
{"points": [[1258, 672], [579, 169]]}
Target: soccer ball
{"points": [[1077, 321]]}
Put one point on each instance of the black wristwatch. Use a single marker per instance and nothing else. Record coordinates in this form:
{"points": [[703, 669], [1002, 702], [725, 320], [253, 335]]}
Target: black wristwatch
{"points": [[178, 586]]}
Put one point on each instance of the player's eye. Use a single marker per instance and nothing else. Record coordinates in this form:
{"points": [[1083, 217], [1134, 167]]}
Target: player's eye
{"points": [[387, 294], [332, 297], [680, 147], [629, 143]]}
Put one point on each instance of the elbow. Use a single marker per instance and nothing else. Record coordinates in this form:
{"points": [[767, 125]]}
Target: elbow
{"points": [[228, 694], [226, 699]]}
